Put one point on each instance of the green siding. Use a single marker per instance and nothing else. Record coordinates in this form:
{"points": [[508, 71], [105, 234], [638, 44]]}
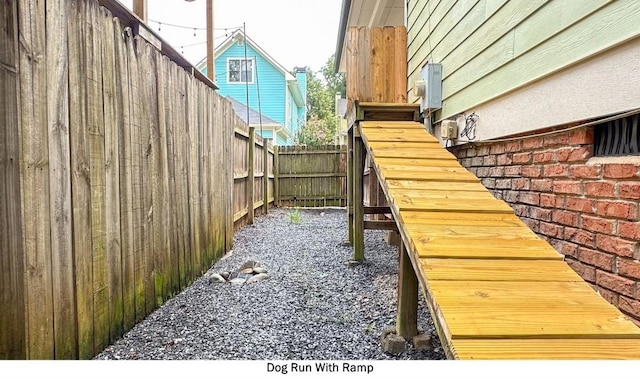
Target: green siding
{"points": [[491, 47]]}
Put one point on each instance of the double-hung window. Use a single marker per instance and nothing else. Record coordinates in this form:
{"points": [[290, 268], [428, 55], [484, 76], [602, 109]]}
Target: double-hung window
{"points": [[240, 70]]}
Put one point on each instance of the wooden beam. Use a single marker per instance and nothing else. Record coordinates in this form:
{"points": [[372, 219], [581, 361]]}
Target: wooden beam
{"points": [[265, 174], [407, 320], [250, 178], [381, 225], [141, 9], [359, 151], [377, 210], [211, 71], [350, 183], [276, 175]]}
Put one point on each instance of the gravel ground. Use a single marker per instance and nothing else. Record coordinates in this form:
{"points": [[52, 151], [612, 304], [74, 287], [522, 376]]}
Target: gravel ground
{"points": [[312, 307]]}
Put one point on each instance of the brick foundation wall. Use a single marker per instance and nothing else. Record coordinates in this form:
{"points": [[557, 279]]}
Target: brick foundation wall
{"points": [[588, 212]]}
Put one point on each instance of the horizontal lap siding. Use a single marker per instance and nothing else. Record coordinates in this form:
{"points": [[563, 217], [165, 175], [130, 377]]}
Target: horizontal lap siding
{"points": [[491, 47]]}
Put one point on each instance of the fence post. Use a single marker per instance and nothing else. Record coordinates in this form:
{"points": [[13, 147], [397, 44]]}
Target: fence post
{"points": [[265, 171], [250, 175], [276, 176]]}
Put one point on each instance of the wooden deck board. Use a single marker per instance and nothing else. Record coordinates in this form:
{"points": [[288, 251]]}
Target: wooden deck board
{"points": [[495, 289], [498, 270], [542, 349], [518, 309]]}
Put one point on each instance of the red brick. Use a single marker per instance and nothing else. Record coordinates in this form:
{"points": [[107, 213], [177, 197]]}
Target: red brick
{"points": [[488, 182], [567, 187], [629, 230], [511, 196], [580, 237], [555, 170], [619, 209], [477, 161], [466, 162], [544, 157], [532, 224], [521, 210], [521, 184], [565, 218], [503, 184], [471, 152], [629, 268], [512, 171], [620, 171], [499, 194], [615, 283], [630, 306], [559, 139], [595, 258], [496, 171], [482, 171], [599, 188], [609, 295], [568, 249], [483, 150], [532, 143], [551, 201], [530, 198], [513, 146], [616, 245], [583, 171], [587, 273], [597, 224], [504, 159], [574, 154], [531, 171], [542, 185], [629, 190], [522, 158], [551, 230], [540, 214], [490, 160], [497, 149], [580, 204], [583, 136]]}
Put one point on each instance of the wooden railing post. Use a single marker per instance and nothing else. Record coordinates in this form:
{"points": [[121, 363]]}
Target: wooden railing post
{"points": [[407, 319], [276, 176], [250, 175], [358, 194], [350, 183], [265, 178]]}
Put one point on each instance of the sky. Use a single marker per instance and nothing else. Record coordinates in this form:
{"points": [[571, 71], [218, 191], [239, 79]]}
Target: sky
{"points": [[294, 32]]}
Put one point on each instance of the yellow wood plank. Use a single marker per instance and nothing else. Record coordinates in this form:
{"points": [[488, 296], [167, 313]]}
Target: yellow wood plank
{"points": [[485, 205], [428, 185], [481, 249], [460, 219], [415, 153], [429, 174], [498, 270], [427, 233], [546, 349], [453, 195], [404, 136], [477, 309], [374, 125], [403, 145]]}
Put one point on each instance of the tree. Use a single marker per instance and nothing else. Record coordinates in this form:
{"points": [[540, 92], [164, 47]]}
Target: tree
{"points": [[320, 126]]}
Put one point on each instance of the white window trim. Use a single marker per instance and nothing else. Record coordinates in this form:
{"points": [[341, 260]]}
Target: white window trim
{"points": [[253, 70]]}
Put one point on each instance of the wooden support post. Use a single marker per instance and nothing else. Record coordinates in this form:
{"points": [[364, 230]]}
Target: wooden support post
{"points": [[358, 195], [265, 178], [141, 9], [407, 320], [350, 183], [276, 177], [250, 175], [211, 70]]}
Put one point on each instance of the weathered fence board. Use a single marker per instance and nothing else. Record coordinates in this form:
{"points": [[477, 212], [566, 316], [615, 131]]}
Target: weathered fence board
{"points": [[312, 176]]}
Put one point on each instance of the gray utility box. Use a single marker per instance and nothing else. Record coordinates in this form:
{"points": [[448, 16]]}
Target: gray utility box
{"points": [[431, 74]]}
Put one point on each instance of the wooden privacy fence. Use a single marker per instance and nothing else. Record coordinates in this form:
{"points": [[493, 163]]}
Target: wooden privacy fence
{"points": [[117, 178], [311, 176]]}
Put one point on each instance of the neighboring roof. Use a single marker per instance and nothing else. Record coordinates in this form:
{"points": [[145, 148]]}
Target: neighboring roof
{"points": [[254, 116], [239, 35]]}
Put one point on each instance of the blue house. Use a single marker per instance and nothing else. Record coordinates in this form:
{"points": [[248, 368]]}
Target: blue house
{"points": [[277, 97]]}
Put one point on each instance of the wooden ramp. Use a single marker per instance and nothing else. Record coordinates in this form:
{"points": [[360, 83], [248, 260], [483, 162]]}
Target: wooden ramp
{"points": [[495, 289]]}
